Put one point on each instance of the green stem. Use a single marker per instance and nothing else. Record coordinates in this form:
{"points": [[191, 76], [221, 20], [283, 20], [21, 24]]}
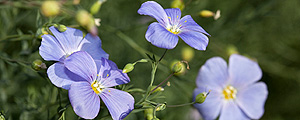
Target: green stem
{"points": [[162, 82], [181, 105]]}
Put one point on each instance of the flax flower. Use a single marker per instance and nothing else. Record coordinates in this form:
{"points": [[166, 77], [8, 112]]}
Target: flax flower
{"points": [[63, 44], [235, 93], [170, 25], [97, 78]]}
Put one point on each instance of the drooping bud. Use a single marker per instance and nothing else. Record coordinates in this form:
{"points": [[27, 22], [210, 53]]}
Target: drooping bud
{"points": [[158, 89], [206, 13], [50, 8], [200, 98], [60, 28], [178, 4], [38, 65], [187, 53], [128, 68], [96, 6]]}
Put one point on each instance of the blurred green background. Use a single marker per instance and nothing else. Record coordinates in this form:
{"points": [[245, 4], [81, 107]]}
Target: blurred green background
{"points": [[265, 30]]}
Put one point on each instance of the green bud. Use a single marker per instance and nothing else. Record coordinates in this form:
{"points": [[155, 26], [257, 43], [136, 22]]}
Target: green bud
{"points": [[200, 98], [177, 67], [38, 65], [161, 107], [60, 28], [187, 53], [95, 7], [206, 13], [231, 49], [128, 68], [84, 18], [178, 4], [50, 8], [159, 89]]}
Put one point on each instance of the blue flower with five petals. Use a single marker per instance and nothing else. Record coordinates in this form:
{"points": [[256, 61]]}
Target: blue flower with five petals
{"points": [[235, 93], [165, 32]]}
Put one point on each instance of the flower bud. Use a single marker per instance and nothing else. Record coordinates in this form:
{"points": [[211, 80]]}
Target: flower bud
{"points": [[84, 18], [60, 28], [206, 13], [159, 89], [187, 53], [200, 98], [128, 68], [231, 49], [178, 4], [41, 31], [178, 68], [38, 65], [50, 8], [96, 7]]}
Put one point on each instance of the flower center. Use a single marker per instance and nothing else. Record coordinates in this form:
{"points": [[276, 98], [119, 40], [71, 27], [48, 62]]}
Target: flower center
{"points": [[97, 87], [173, 29], [229, 92]]}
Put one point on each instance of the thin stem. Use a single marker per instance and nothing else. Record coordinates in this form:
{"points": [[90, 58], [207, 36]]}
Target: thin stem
{"points": [[162, 82], [163, 55], [180, 105]]}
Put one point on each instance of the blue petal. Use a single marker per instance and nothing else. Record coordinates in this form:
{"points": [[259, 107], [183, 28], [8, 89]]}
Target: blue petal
{"points": [[231, 111], [160, 36], [61, 77], [211, 107], [243, 71], [51, 49], [92, 45], [252, 99], [154, 10], [110, 75], [194, 39], [213, 74], [174, 15], [69, 40], [188, 24], [119, 103], [82, 64], [85, 102]]}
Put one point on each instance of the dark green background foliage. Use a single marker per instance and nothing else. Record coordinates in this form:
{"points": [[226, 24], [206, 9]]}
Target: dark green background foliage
{"points": [[267, 30]]}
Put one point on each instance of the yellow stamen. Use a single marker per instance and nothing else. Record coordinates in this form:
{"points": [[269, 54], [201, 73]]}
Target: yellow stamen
{"points": [[229, 92]]}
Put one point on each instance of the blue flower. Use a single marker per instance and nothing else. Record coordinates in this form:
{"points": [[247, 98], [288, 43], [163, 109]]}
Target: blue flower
{"points": [[61, 46], [164, 33], [97, 78], [235, 93]]}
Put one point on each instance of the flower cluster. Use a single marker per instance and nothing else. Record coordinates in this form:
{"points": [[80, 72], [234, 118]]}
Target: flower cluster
{"points": [[82, 68]]}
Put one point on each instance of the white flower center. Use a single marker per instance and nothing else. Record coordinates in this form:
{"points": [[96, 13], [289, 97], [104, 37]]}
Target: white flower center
{"points": [[229, 92], [97, 87], [173, 29]]}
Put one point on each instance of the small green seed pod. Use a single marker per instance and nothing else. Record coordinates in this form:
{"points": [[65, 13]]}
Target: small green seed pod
{"points": [[38, 65], [128, 68], [200, 98], [60, 28]]}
